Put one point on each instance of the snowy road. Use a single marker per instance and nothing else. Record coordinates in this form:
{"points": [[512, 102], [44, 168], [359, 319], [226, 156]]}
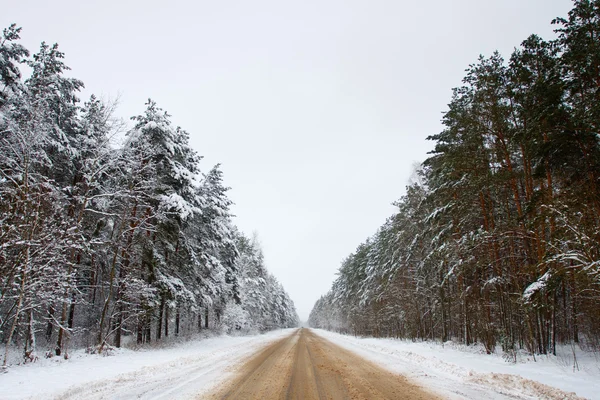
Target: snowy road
{"points": [[305, 366], [317, 362], [186, 370]]}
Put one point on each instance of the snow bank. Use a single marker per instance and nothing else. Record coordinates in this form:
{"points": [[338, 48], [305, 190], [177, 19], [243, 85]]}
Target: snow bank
{"points": [[461, 372], [187, 369]]}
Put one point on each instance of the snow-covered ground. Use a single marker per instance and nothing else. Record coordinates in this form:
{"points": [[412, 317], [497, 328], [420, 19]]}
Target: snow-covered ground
{"points": [[188, 369], [180, 371], [460, 372]]}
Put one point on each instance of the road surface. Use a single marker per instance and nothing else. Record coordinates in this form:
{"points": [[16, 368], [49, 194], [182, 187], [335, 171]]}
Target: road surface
{"points": [[306, 366]]}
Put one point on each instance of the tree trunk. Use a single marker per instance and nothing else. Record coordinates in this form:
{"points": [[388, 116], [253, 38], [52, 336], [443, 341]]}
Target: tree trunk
{"points": [[60, 344], [119, 325], [177, 316], [161, 310], [113, 268], [140, 332], [61, 330], [167, 321], [71, 312], [148, 327], [49, 325]]}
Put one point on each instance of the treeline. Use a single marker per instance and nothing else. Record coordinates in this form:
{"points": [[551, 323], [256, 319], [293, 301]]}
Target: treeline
{"points": [[101, 242], [498, 240]]}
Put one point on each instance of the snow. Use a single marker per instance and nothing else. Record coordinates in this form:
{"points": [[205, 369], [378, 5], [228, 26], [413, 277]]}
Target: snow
{"points": [[150, 125], [461, 372], [187, 369], [536, 286], [174, 201]]}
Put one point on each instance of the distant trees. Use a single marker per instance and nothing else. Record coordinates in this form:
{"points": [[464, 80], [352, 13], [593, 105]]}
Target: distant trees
{"points": [[262, 303], [99, 243], [500, 242]]}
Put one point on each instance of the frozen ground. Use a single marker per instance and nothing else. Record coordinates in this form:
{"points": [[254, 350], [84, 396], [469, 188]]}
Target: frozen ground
{"points": [[460, 372], [189, 369], [182, 371]]}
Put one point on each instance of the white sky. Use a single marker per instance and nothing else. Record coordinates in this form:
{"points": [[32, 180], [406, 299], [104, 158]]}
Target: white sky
{"points": [[317, 110]]}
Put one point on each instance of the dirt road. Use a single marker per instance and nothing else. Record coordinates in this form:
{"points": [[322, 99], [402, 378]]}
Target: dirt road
{"points": [[306, 366]]}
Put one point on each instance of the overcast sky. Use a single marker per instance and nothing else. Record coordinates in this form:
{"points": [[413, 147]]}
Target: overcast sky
{"points": [[317, 110]]}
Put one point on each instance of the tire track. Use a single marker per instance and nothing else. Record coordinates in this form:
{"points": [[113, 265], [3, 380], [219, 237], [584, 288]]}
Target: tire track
{"points": [[263, 376], [306, 366]]}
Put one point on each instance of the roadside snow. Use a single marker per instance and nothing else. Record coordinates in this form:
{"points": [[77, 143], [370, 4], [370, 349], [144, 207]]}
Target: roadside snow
{"points": [[460, 372], [187, 369]]}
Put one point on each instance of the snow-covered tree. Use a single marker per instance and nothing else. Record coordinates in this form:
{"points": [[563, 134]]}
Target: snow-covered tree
{"points": [[99, 240]]}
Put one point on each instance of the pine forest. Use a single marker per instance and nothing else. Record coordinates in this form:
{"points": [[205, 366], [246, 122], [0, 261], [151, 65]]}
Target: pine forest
{"points": [[497, 238], [110, 233]]}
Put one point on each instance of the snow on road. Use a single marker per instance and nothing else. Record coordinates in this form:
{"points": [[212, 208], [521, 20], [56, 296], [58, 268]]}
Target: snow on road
{"points": [[182, 371], [460, 373]]}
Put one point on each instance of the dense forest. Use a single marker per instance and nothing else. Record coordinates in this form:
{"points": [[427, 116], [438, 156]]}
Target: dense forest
{"points": [[110, 233], [497, 239]]}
